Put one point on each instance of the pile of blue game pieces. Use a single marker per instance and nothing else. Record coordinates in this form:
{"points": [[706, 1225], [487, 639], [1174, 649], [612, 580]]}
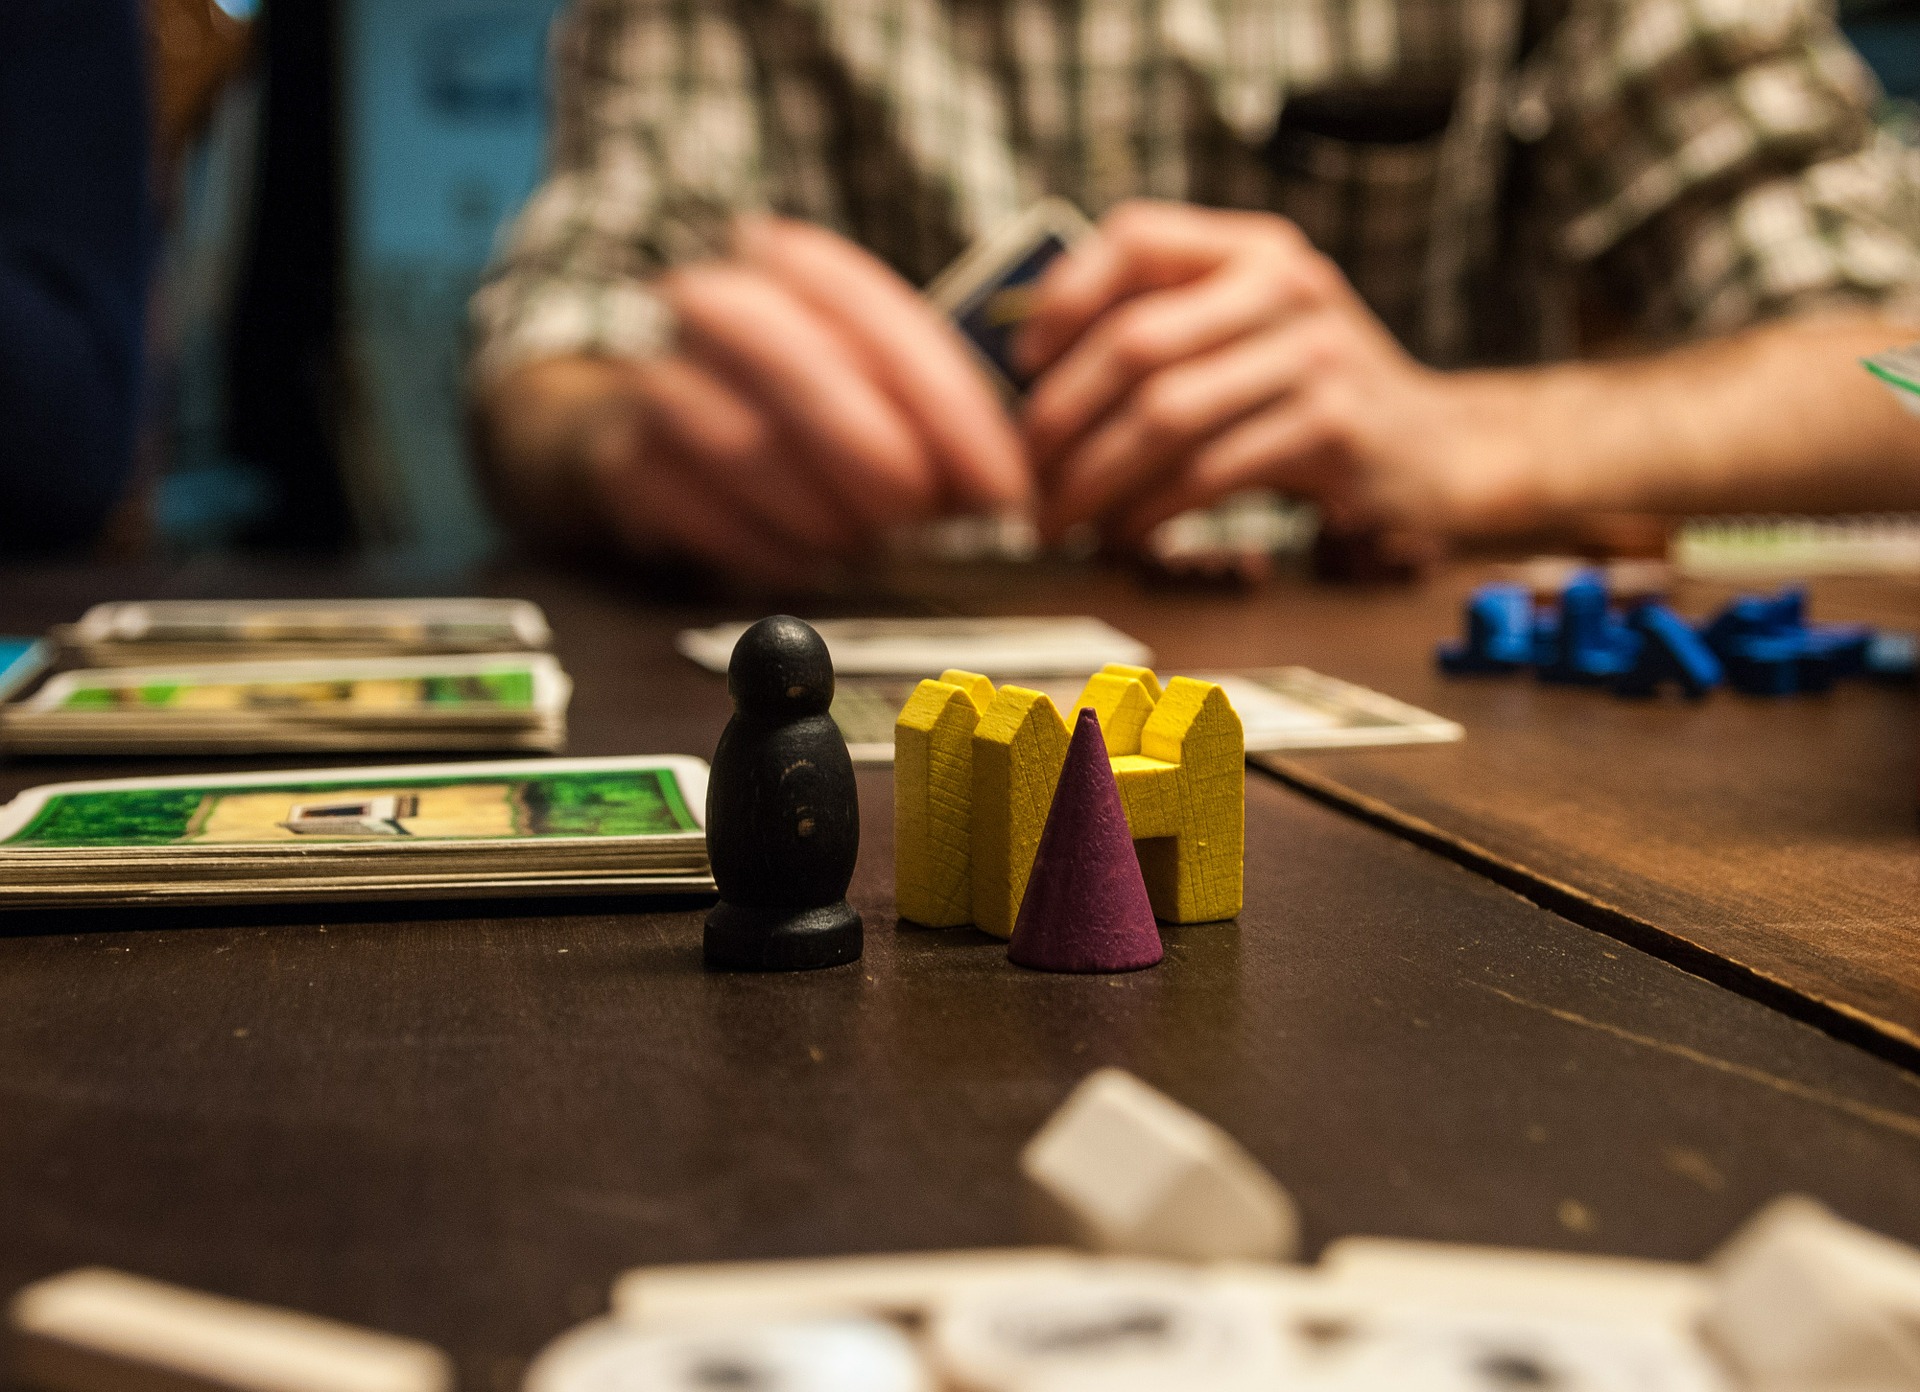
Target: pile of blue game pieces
{"points": [[1759, 644]]}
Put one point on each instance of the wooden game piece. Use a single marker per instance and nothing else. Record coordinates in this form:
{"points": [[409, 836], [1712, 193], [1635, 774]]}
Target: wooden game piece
{"points": [[822, 1355], [1086, 909], [895, 1286], [1186, 800], [1500, 622], [95, 1330], [979, 689], [932, 798], [1143, 675], [1018, 748], [1627, 1290], [1130, 1170], [1179, 758], [783, 813], [1669, 652], [1115, 1321], [1123, 703], [1803, 1299]]}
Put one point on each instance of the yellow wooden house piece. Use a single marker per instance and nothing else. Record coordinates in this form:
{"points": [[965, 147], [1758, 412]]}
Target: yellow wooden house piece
{"points": [[974, 775], [933, 797]]}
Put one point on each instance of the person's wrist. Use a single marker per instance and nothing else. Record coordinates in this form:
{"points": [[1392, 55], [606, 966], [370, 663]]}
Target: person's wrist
{"points": [[1509, 467]]}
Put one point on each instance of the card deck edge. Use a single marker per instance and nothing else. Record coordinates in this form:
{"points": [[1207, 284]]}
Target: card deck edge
{"points": [[690, 771]]}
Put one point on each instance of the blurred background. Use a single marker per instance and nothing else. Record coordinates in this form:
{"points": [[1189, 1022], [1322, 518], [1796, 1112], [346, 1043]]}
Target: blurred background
{"points": [[336, 172]]}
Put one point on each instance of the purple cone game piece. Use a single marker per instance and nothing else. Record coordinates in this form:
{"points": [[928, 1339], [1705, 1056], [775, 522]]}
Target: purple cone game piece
{"points": [[1086, 907]]}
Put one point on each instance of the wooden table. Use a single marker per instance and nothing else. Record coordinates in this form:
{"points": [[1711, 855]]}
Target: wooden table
{"points": [[1770, 845], [461, 1127]]}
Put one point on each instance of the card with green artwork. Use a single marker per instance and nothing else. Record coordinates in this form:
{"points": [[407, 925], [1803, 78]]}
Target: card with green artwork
{"points": [[468, 701], [541, 798], [517, 682], [547, 826]]}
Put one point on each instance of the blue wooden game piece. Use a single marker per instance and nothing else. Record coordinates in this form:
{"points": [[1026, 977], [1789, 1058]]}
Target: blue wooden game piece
{"points": [[1670, 651], [1764, 665], [1843, 647], [1591, 646], [1499, 633], [1769, 648]]}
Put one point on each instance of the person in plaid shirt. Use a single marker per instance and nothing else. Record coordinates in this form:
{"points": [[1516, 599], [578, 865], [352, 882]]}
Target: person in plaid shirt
{"points": [[1346, 250]]}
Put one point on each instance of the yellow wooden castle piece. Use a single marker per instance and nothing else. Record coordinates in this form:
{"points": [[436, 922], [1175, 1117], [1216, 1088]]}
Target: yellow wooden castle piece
{"points": [[1186, 802], [1122, 703], [974, 776], [978, 688], [1143, 675], [933, 798], [1019, 747]]}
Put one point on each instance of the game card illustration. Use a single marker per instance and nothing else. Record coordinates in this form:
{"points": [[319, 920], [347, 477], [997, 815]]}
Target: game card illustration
{"points": [[628, 825], [586, 802], [464, 701]]}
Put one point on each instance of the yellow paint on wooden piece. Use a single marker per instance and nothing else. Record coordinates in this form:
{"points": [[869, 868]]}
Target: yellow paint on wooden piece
{"points": [[1018, 750], [978, 688], [975, 772], [1143, 675], [932, 800], [1196, 875], [1122, 705]]}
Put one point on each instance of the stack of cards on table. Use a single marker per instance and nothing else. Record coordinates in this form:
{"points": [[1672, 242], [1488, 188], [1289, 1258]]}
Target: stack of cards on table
{"points": [[205, 677], [878, 662], [172, 632], [541, 827]]}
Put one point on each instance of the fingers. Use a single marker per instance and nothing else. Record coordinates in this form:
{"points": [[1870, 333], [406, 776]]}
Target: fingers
{"points": [[858, 442], [654, 500], [1294, 446], [1175, 412], [696, 417], [1158, 329], [1140, 246], [916, 357]]}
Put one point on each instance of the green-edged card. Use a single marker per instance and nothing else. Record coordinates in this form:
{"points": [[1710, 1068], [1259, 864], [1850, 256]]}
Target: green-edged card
{"points": [[534, 826]]}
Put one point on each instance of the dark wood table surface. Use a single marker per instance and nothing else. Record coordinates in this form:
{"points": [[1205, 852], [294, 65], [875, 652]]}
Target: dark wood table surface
{"points": [[460, 1123], [1772, 845]]}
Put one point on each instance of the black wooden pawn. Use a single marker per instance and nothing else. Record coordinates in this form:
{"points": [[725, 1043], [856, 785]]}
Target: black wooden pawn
{"points": [[783, 815]]}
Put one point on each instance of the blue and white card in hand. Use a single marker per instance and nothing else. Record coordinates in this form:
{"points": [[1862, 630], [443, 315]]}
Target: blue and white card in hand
{"points": [[988, 292]]}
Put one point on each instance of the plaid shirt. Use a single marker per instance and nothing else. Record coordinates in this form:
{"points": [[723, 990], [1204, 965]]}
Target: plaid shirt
{"points": [[1478, 168]]}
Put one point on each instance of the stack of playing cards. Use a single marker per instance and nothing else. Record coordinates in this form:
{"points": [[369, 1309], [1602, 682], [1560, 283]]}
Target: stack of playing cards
{"points": [[262, 676], [477, 701], [175, 632], [427, 831]]}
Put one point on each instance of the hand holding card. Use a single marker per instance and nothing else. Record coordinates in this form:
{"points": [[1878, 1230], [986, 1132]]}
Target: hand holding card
{"points": [[989, 293], [812, 403]]}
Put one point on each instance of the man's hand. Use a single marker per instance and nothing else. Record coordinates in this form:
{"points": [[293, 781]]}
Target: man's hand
{"points": [[811, 402], [1187, 353]]}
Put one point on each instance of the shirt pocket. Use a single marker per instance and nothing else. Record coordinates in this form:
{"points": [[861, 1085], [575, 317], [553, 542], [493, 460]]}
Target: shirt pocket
{"points": [[1359, 172]]}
